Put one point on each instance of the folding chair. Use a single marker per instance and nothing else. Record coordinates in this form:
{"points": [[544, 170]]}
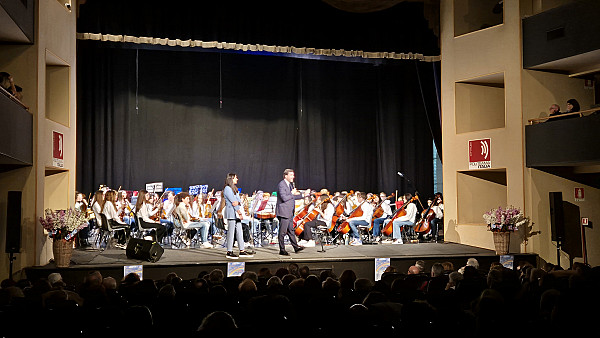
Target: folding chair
{"points": [[143, 231], [107, 232]]}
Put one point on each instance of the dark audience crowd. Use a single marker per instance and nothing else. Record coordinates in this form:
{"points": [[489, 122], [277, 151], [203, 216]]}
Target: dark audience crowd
{"points": [[295, 301]]}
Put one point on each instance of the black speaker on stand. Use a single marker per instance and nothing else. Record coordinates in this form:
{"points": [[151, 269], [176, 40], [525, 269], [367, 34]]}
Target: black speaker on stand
{"points": [[13, 226], [557, 221]]}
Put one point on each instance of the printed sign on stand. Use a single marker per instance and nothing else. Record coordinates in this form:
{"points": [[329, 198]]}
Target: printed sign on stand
{"points": [[235, 269], [480, 154], [154, 187], [137, 269], [380, 265]]}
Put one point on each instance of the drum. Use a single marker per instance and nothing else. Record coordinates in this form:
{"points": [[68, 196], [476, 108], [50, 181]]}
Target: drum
{"points": [[268, 215]]}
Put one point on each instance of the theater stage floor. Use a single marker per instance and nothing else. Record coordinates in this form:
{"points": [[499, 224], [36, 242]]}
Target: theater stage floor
{"points": [[187, 263]]}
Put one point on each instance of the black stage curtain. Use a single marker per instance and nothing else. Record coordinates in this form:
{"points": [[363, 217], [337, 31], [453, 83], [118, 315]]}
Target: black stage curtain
{"points": [[187, 118]]}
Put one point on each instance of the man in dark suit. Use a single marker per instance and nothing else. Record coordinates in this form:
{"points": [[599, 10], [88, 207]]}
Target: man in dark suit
{"points": [[286, 197]]}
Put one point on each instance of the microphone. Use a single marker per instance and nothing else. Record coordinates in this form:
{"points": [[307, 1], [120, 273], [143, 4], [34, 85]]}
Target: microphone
{"points": [[407, 180]]}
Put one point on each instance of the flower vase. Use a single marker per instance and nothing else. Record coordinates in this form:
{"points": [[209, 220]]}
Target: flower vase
{"points": [[501, 242], [62, 250]]}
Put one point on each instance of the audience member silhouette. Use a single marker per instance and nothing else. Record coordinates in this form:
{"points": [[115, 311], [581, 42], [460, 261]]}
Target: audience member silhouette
{"points": [[545, 300]]}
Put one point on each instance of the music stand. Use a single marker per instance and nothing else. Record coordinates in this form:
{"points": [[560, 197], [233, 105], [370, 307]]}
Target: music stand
{"points": [[252, 210], [322, 236]]}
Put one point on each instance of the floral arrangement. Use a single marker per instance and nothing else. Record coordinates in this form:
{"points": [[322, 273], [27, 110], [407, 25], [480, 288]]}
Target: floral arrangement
{"points": [[63, 224], [504, 220]]}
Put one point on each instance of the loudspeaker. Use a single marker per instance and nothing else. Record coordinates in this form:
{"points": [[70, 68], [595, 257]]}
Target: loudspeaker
{"points": [[13, 222], [557, 216], [144, 250]]}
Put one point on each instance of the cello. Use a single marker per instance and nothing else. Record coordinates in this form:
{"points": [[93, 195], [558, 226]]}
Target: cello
{"points": [[339, 210], [378, 210], [389, 228], [300, 214], [299, 226], [344, 228], [424, 224]]}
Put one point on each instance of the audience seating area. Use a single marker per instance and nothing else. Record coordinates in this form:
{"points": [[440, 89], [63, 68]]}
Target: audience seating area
{"points": [[291, 301]]}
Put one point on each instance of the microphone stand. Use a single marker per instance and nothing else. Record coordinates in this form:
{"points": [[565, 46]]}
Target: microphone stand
{"points": [[416, 194], [409, 182]]}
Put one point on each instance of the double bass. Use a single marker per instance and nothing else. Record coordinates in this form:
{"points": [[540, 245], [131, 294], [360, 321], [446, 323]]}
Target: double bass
{"points": [[423, 226], [339, 210], [299, 226], [378, 210], [389, 228]]}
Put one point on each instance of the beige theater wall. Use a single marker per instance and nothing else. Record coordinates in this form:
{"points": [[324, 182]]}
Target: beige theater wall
{"points": [[540, 90], [539, 185], [42, 184], [57, 76], [468, 62], [20, 61]]}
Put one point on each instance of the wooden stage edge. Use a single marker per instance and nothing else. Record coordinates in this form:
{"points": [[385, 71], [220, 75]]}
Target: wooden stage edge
{"points": [[188, 263]]}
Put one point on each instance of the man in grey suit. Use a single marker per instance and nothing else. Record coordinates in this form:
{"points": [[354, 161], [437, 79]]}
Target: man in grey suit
{"points": [[286, 197]]}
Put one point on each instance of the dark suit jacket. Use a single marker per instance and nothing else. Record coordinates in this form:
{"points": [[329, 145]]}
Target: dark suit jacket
{"points": [[285, 200]]}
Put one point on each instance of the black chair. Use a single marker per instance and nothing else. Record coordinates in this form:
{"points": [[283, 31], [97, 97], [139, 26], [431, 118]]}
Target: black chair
{"points": [[107, 231], [365, 234], [142, 231]]}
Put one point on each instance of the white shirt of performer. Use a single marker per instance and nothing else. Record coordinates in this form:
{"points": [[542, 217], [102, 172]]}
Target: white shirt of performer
{"points": [[111, 212], [411, 213], [97, 211], [168, 206], [439, 210], [387, 209], [327, 214], [146, 211], [367, 209]]}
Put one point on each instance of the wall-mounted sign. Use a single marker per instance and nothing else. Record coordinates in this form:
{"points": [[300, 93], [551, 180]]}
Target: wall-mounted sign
{"points": [[585, 221], [58, 149], [480, 156], [579, 195]]}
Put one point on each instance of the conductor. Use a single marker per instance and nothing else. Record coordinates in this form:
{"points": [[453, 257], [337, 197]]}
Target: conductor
{"points": [[286, 196]]}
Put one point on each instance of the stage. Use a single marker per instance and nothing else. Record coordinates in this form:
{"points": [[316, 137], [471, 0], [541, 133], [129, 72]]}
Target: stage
{"points": [[188, 263]]}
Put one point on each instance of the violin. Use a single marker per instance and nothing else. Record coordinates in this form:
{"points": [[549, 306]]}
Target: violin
{"points": [[156, 217], [207, 209], [122, 214], [299, 226], [246, 204], [424, 224], [339, 210], [378, 210], [162, 212], [389, 228]]}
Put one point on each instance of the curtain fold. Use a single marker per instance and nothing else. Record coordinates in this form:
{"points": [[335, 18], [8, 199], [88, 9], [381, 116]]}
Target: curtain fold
{"points": [[199, 116]]}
